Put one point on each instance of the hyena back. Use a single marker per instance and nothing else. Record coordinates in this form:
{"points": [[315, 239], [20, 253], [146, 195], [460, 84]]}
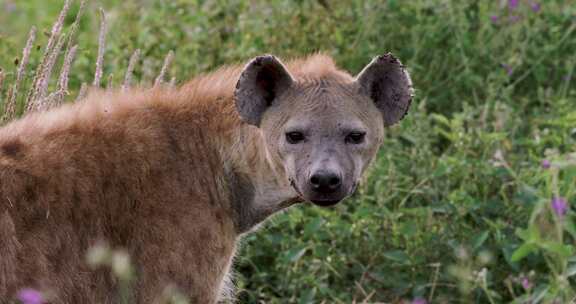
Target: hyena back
{"points": [[176, 176]]}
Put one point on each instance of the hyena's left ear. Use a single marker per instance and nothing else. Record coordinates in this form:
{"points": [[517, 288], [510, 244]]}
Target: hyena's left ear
{"points": [[260, 83], [387, 83]]}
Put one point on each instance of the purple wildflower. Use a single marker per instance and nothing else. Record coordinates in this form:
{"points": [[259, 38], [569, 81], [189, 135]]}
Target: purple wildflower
{"points": [[494, 19], [419, 301], [559, 205], [513, 4], [526, 283], [546, 164], [508, 68], [535, 6], [30, 296]]}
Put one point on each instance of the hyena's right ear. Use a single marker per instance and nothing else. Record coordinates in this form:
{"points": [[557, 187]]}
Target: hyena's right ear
{"points": [[261, 81]]}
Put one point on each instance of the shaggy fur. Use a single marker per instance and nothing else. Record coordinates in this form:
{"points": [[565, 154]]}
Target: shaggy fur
{"points": [[171, 175]]}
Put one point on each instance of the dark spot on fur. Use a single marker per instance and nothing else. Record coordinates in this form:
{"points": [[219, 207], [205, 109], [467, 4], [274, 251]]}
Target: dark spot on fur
{"points": [[30, 194], [13, 149], [204, 236], [241, 197], [76, 197], [219, 217]]}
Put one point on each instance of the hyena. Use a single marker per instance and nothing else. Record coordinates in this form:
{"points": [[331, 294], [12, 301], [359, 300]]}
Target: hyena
{"points": [[177, 176]]}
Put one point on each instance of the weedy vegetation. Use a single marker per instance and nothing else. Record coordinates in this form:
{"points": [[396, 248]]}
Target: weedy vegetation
{"points": [[471, 198]]}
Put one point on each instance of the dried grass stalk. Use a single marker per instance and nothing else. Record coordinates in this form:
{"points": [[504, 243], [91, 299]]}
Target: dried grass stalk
{"points": [[48, 101], [64, 73], [53, 41], [10, 107], [82, 92], [69, 56], [101, 49], [42, 89], [110, 82], [172, 82], [130, 70], [74, 27], [2, 76], [167, 61], [57, 27]]}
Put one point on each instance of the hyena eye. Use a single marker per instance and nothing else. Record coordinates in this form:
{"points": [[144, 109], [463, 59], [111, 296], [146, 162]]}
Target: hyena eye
{"points": [[294, 137], [355, 138]]}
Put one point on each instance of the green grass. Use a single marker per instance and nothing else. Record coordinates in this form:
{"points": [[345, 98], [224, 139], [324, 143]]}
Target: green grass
{"points": [[457, 208]]}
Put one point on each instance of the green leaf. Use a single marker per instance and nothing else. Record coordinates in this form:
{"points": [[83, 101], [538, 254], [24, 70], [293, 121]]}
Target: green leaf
{"points": [[571, 270], [480, 239], [313, 226], [397, 256], [539, 293], [295, 254], [558, 248], [307, 296], [409, 229], [529, 235], [523, 234], [440, 119], [570, 227], [523, 251], [507, 251]]}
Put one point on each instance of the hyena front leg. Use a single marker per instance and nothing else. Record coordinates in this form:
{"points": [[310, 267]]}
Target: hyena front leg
{"points": [[193, 261]]}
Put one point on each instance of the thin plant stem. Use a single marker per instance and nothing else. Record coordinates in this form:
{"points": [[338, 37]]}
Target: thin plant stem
{"points": [[101, 49], [167, 61], [10, 108]]}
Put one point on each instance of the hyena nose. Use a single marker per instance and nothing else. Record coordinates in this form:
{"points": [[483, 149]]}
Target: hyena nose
{"points": [[325, 182]]}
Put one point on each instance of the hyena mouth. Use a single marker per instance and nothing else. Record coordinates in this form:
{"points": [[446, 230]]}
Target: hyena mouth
{"points": [[328, 202], [325, 203]]}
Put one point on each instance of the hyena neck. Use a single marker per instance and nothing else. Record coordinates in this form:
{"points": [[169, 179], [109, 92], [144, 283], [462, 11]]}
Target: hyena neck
{"points": [[257, 187]]}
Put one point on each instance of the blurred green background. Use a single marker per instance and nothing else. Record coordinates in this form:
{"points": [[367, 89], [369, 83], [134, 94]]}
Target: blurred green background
{"points": [[458, 207]]}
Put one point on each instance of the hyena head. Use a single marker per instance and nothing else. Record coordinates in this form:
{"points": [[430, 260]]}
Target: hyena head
{"points": [[323, 131]]}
